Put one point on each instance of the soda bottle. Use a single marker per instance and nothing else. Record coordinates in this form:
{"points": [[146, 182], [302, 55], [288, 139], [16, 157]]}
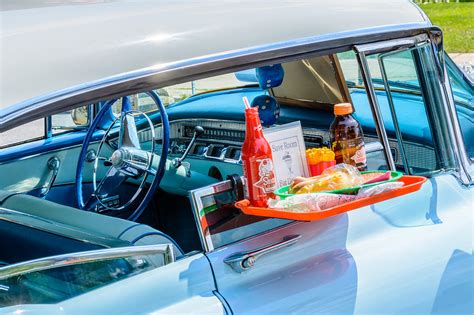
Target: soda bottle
{"points": [[260, 180], [347, 138]]}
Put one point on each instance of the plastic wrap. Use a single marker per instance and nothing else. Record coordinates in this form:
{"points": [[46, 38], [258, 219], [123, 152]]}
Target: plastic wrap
{"points": [[310, 202], [378, 189], [336, 177]]}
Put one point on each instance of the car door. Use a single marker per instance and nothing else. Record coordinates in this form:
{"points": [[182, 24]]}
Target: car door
{"points": [[40, 157], [411, 254], [181, 287]]}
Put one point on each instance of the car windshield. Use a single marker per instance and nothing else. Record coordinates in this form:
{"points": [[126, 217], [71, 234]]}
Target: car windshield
{"points": [[176, 93]]}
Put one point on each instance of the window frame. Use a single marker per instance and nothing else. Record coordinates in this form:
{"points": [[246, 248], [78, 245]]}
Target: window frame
{"points": [[48, 129], [362, 51], [466, 163]]}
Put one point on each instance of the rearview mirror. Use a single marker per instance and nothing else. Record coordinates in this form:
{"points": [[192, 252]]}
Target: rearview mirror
{"points": [[76, 118], [80, 116]]}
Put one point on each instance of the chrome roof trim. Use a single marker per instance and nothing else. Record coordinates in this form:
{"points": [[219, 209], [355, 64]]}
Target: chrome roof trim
{"points": [[195, 68]]}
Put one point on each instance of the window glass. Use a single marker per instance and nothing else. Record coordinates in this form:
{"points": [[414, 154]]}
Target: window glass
{"points": [[463, 95], [179, 92], [362, 112], [24, 133], [413, 106], [409, 107], [70, 120]]}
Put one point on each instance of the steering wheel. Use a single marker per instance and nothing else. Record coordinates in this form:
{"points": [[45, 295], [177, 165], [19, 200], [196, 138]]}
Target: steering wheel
{"points": [[129, 160]]}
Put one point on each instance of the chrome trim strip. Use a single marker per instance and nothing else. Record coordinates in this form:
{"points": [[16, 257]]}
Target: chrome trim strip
{"points": [[57, 228], [391, 106], [374, 106], [466, 165], [192, 69], [86, 257], [381, 47]]}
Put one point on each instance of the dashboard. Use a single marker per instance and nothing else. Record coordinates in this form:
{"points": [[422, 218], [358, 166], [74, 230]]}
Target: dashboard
{"points": [[222, 141]]}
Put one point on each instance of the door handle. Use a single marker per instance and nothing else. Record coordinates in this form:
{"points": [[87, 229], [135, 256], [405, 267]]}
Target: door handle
{"points": [[243, 261], [53, 165]]}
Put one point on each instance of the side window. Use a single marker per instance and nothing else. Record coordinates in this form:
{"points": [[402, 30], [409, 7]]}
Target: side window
{"points": [[405, 84], [407, 104], [47, 127], [463, 95], [34, 130], [70, 120]]}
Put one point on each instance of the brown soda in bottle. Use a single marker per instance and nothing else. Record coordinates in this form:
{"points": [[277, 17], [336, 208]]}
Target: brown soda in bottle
{"points": [[347, 138]]}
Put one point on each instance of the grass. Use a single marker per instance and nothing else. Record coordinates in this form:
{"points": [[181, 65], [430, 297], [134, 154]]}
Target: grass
{"points": [[457, 22]]}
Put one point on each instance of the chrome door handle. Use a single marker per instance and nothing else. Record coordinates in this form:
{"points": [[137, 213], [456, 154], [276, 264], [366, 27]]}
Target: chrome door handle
{"points": [[243, 261], [53, 165]]}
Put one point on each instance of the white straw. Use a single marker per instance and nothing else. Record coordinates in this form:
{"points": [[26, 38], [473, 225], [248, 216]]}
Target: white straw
{"points": [[246, 102]]}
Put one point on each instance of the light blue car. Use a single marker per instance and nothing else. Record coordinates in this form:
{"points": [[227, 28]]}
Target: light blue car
{"points": [[121, 130]]}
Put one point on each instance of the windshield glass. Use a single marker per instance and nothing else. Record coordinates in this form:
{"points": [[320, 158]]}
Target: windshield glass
{"points": [[179, 92]]}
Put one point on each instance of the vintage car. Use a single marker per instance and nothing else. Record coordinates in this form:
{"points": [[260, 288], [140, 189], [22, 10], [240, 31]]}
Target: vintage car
{"points": [[122, 125]]}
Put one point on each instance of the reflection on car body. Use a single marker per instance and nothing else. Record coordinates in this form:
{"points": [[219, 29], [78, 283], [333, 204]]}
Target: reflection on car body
{"points": [[140, 102]]}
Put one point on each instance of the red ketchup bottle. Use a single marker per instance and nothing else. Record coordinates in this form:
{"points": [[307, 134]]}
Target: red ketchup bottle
{"points": [[257, 159]]}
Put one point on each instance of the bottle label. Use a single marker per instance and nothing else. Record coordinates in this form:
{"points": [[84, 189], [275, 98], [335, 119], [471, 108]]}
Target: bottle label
{"points": [[359, 156], [351, 152], [260, 180], [266, 173]]}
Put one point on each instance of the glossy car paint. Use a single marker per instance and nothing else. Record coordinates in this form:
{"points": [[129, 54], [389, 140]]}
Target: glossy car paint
{"points": [[409, 255], [184, 286], [378, 252]]}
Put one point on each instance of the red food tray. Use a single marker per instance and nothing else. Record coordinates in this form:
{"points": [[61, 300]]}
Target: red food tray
{"points": [[411, 184]]}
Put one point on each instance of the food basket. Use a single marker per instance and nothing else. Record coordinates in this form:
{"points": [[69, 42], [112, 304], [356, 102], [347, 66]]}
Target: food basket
{"points": [[410, 185], [282, 192]]}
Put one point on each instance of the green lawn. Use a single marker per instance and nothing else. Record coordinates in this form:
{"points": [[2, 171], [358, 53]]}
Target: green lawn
{"points": [[457, 22]]}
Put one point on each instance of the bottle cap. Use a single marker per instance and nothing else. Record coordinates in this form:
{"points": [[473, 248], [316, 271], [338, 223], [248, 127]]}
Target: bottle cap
{"points": [[342, 109]]}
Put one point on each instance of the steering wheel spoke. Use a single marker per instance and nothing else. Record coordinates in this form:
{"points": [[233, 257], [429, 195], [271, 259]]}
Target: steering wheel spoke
{"points": [[128, 136]]}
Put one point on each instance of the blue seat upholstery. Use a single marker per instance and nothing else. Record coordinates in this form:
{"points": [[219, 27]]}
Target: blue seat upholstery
{"points": [[87, 223]]}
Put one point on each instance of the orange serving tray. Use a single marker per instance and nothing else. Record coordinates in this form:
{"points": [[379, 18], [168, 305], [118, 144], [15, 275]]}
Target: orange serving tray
{"points": [[411, 184]]}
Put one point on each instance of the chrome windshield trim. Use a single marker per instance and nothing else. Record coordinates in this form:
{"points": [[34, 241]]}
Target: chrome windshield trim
{"points": [[192, 69], [86, 257]]}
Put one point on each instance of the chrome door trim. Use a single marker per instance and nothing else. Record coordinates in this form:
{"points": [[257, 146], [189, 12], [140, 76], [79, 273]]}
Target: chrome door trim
{"points": [[393, 112], [61, 229], [243, 261], [374, 106], [466, 165], [86, 257], [195, 68]]}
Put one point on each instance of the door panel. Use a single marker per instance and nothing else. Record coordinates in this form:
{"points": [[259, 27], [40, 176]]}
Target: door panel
{"points": [[411, 254], [296, 278], [32, 172]]}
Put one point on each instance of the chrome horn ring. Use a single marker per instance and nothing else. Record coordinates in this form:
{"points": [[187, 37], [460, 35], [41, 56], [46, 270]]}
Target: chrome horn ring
{"points": [[126, 161]]}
